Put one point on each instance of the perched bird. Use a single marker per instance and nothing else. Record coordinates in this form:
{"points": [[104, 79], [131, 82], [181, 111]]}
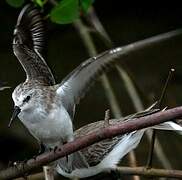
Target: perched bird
{"points": [[46, 108], [106, 154]]}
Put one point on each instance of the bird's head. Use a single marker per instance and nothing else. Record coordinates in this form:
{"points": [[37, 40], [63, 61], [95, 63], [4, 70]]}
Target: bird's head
{"points": [[24, 97]]}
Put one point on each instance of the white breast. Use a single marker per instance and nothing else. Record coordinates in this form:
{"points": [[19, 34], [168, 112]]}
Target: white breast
{"points": [[51, 129]]}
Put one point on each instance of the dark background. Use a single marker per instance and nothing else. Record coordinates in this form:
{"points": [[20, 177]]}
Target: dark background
{"points": [[125, 23]]}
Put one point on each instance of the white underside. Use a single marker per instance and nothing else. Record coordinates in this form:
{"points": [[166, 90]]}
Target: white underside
{"points": [[51, 129], [124, 146]]}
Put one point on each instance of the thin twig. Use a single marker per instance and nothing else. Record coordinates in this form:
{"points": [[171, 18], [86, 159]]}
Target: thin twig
{"points": [[150, 172], [169, 77], [48, 173], [99, 28], [106, 118], [151, 151], [141, 171], [129, 85], [139, 107], [36, 176], [89, 44]]}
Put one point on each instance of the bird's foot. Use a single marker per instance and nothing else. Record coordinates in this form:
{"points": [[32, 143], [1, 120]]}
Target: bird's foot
{"points": [[67, 158], [42, 149], [53, 149]]}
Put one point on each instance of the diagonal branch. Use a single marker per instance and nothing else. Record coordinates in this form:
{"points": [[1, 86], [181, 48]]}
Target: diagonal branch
{"points": [[91, 138]]}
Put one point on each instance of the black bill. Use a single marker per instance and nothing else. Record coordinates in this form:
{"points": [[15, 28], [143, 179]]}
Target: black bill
{"points": [[16, 111]]}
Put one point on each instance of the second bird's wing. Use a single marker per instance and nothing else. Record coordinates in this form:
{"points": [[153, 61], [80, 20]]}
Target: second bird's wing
{"points": [[28, 43]]}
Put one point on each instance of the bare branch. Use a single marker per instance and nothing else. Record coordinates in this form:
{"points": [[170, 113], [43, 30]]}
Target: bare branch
{"points": [[150, 172], [142, 171], [91, 138], [106, 118], [151, 152]]}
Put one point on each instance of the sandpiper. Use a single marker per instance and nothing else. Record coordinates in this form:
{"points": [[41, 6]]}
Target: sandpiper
{"points": [[46, 108], [105, 155]]}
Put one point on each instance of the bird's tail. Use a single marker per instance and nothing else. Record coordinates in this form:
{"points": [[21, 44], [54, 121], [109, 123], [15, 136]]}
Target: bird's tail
{"points": [[130, 141], [170, 126]]}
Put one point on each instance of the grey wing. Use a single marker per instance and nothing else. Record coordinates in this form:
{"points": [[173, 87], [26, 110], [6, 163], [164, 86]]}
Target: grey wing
{"points": [[78, 82], [78, 161], [28, 42], [95, 153]]}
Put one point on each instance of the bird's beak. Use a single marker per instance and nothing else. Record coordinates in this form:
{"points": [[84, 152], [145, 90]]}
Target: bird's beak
{"points": [[16, 111]]}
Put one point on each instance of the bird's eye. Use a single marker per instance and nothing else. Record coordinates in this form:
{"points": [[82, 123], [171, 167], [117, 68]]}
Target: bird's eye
{"points": [[26, 99]]}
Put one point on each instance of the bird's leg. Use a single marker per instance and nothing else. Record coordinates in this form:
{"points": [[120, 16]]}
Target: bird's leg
{"points": [[65, 162], [55, 148], [69, 158], [42, 149], [66, 155]]}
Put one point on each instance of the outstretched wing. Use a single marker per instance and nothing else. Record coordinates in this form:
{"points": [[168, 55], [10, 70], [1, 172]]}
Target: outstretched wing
{"points": [[78, 82], [28, 43], [97, 152]]}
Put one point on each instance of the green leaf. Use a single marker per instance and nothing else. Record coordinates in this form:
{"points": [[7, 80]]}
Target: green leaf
{"points": [[40, 2], [15, 3], [65, 12], [85, 4]]}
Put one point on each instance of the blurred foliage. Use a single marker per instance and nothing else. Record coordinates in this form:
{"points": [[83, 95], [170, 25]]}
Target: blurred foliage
{"points": [[15, 3], [68, 11], [85, 4], [40, 2], [65, 12]]}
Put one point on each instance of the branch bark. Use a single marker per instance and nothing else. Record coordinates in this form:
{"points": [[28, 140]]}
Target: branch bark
{"points": [[91, 138], [150, 172], [142, 171]]}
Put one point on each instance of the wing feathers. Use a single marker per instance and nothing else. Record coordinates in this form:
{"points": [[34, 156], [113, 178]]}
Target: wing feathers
{"points": [[31, 27], [78, 82], [28, 44]]}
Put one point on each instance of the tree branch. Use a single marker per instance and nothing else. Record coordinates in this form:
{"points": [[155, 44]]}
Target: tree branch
{"points": [[142, 171], [150, 172], [91, 138]]}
